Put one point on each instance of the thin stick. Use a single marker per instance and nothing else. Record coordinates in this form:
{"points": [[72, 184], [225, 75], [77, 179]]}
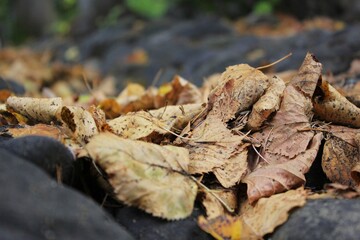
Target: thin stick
{"points": [[276, 62], [228, 208]]}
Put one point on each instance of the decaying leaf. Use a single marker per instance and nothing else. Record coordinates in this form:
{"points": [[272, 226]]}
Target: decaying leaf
{"points": [[212, 204], [80, 122], [222, 227], [331, 106], [269, 213], [288, 149], [267, 104], [255, 221], [179, 91], [214, 148], [338, 159], [39, 130], [38, 109], [240, 87], [148, 126], [146, 175]]}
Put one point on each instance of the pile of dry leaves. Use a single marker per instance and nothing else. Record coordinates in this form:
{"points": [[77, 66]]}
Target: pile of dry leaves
{"points": [[240, 144]]}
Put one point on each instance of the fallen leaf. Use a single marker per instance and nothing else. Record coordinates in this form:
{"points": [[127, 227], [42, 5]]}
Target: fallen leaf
{"points": [[222, 227], [331, 106], [288, 148], [151, 177], [267, 104], [255, 221], [240, 87], [269, 213], [80, 122], [338, 160], [39, 130], [214, 207], [38, 109], [178, 92]]}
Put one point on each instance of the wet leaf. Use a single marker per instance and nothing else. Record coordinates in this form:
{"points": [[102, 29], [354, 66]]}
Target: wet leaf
{"points": [[146, 175], [222, 227]]}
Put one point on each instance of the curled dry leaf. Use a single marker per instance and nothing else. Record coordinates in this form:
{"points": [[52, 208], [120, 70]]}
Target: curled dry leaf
{"points": [[289, 148], [80, 122], [146, 175], [38, 109], [255, 221], [240, 87], [208, 85], [338, 159], [331, 106], [267, 104], [178, 91]]}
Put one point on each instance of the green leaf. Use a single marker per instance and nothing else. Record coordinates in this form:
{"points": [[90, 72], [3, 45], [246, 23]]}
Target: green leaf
{"points": [[149, 8]]}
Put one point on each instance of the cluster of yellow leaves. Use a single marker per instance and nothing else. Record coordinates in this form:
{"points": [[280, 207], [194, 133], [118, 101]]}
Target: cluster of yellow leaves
{"points": [[160, 146]]}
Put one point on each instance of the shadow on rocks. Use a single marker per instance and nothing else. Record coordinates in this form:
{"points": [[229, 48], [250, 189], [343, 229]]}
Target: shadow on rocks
{"points": [[33, 206]]}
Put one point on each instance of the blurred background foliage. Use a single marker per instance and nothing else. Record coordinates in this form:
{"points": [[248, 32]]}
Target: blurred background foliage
{"points": [[21, 20]]}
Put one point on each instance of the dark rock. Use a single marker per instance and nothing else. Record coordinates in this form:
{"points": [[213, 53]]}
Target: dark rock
{"points": [[47, 153], [144, 226], [322, 219], [12, 86], [33, 206]]}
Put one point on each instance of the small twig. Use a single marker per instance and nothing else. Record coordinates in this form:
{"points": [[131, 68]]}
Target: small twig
{"points": [[228, 208], [276, 62], [104, 200]]}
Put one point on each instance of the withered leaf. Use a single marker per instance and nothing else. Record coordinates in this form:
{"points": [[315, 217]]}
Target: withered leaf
{"points": [[213, 146], [267, 104], [80, 122], [146, 175], [40, 130], [214, 207], [330, 105], [338, 159], [38, 109], [222, 227], [255, 221], [269, 213], [148, 126], [239, 88], [179, 91], [289, 147]]}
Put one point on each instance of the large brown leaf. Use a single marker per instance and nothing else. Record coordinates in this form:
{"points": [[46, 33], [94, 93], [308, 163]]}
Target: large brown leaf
{"points": [[288, 146], [151, 177]]}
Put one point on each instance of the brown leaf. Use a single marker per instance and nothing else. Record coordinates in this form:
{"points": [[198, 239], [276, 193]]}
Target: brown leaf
{"points": [[338, 159], [214, 207], [80, 122], [331, 106], [146, 175], [38, 109], [267, 104], [255, 221], [222, 227], [39, 130], [212, 147], [179, 91], [240, 87], [288, 147], [148, 126], [269, 213], [267, 180]]}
